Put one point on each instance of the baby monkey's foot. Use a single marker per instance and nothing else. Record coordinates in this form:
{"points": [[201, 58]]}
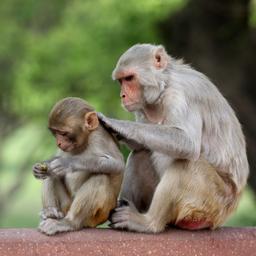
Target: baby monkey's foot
{"points": [[52, 226], [52, 213]]}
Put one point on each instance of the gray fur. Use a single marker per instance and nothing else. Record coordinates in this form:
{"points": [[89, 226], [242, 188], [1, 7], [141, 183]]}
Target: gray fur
{"points": [[191, 121]]}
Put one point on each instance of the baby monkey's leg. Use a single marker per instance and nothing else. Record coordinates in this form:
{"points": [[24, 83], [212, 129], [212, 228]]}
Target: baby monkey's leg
{"points": [[55, 199], [90, 207]]}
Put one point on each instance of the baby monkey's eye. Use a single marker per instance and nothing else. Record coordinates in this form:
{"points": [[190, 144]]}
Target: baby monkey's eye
{"points": [[71, 137]]}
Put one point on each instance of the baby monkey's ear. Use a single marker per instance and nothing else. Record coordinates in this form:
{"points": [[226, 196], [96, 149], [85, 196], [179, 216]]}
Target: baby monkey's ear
{"points": [[91, 121]]}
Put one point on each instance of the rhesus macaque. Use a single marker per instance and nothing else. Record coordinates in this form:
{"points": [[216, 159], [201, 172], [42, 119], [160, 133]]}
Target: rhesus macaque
{"points": [[82, 183], [188, 166]]}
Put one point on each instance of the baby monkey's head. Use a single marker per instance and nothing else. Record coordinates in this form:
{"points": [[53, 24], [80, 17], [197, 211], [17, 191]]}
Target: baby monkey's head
{"points": [[71, 120]]}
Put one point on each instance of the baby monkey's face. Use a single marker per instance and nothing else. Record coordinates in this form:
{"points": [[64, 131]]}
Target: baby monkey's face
{"points": [[65, 141], [71, 140]]}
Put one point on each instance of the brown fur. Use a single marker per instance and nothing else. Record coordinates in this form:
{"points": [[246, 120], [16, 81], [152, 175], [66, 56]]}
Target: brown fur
{"points": [[79, 189]]}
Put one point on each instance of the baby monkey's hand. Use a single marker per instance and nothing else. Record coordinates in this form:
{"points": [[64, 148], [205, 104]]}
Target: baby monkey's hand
{"points": [[60, 166], [40, 171]]}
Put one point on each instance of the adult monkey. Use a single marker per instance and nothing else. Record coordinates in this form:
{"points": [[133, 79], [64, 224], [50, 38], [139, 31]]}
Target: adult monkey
{"points": [[188, 165]]}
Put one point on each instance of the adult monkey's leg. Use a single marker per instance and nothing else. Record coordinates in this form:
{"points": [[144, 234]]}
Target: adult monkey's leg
{"points": [[140, 180]]}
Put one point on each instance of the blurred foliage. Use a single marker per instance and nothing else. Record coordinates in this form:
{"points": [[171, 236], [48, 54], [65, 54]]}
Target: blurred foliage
{"points": [[70, 47], [53, 49]]}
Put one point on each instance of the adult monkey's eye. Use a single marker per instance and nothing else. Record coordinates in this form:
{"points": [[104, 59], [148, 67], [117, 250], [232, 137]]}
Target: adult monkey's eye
{"points": [[129, 78]]}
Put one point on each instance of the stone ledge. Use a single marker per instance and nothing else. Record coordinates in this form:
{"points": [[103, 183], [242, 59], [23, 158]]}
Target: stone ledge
{"points": [[224, 241]]}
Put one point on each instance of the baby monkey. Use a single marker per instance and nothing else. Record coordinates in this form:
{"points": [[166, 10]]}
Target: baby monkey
{"points": [[81, 184]]}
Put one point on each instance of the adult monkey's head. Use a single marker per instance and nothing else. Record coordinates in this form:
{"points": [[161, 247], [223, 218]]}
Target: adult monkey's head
{"points": [[141, 74]]}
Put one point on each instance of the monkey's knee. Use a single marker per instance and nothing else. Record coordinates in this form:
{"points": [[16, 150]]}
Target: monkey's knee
{"points": [[98, 217], [98, 214], [91, 214]]}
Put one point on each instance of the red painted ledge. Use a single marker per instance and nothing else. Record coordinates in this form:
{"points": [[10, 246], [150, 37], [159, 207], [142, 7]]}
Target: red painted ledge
{"points": [[224, 242]]}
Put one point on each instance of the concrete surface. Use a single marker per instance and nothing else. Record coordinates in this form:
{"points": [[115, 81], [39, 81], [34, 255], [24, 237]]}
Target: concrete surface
{"points": [[224, 242]]}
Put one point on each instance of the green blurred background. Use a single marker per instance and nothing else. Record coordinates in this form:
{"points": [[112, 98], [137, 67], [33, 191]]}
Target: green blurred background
{"points": [[53, 49]]}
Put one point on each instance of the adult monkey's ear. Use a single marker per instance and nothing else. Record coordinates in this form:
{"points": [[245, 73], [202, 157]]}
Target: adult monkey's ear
{"points": [[160, 57], [91, 121]]}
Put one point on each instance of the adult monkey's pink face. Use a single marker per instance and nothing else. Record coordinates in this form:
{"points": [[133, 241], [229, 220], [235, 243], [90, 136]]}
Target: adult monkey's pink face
{"points": [[130, 90], [138, 71]]}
